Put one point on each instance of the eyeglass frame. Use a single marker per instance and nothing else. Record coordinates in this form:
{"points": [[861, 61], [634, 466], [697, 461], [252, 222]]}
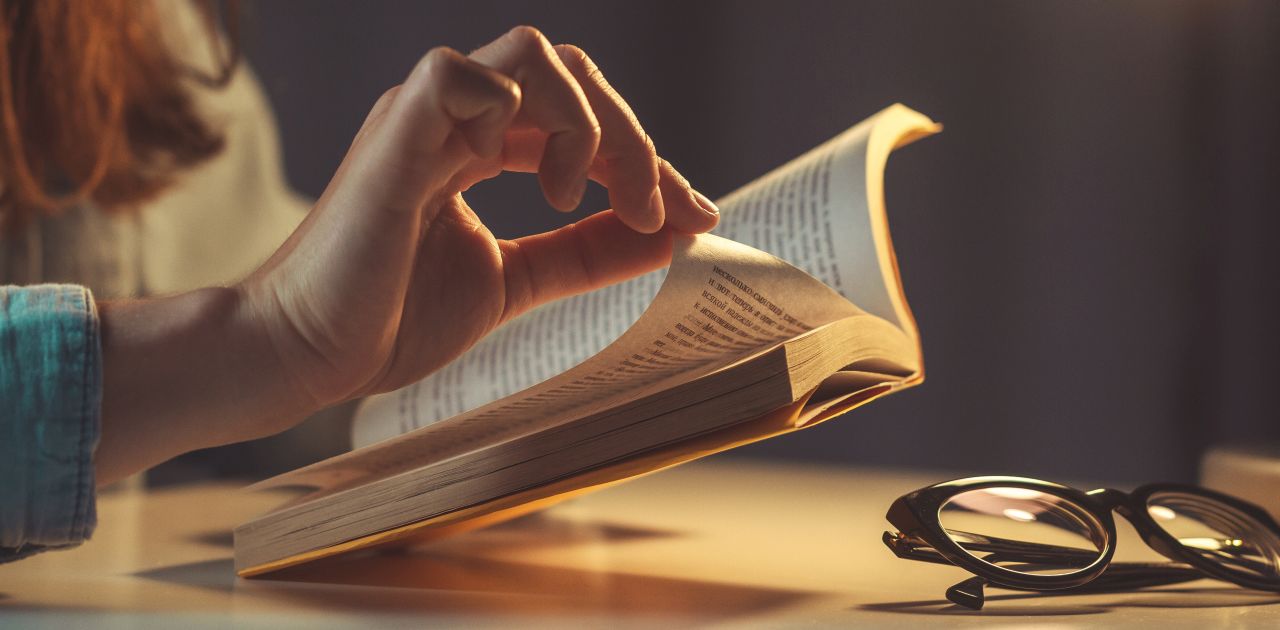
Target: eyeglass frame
{"points": [[920, 531]]}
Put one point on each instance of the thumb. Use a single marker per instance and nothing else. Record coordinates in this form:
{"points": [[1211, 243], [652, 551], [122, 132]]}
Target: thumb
{"points": [[593, 253]]}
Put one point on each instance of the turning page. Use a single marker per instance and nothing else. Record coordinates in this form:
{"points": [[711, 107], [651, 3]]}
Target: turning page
{"points": [[720, 303], [823, 212]]}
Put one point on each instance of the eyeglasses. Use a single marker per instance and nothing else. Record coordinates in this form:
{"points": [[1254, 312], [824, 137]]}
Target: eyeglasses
{"points": [[1031, 535]]}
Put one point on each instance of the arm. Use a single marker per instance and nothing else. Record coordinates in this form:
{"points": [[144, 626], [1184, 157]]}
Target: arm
{"points": [[185, 372]]}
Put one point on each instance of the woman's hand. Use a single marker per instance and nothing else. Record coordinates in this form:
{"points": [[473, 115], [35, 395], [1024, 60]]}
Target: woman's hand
{"points": [[392, 275]]}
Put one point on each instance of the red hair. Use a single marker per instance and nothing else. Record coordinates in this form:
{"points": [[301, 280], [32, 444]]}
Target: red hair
{"points": [[94, 106]]}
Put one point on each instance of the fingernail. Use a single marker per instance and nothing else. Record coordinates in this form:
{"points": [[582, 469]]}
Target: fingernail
{"points": [[704, 203], [657, 209]]}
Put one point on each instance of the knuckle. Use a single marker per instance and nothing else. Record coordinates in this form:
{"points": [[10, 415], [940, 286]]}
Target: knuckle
{"points": [[583, 118], [433, 68], [519, 295], [581, 65], [387, 97], [594, 75], [574, 57], [648, 155], [510, 95], [528, 36], [438, 62], [586, 125], [666, 167], [592, 131], [648, 149]]}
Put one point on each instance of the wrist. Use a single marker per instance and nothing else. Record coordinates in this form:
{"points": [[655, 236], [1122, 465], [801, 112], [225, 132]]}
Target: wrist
{"points": [[257, 320], [186, 372], [270, 399]]}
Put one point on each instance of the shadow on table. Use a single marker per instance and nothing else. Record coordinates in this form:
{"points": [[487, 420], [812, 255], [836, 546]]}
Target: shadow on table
{"points": [[536, 530], [218, 538], [470, 574], [1046, 604]]}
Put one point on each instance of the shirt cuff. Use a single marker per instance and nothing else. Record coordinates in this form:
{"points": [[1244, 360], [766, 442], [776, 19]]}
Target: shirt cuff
{"points": [[50, 417]]}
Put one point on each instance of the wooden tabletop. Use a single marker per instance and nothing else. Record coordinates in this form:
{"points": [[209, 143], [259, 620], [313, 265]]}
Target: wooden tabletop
{"points": [[724, 542]]}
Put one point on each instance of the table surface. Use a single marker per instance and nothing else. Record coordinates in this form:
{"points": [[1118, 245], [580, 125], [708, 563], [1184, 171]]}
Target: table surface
{"points": [[718, 543]]}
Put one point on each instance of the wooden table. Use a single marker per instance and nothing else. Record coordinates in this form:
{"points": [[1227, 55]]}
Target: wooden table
{"points": [[719, 543]]}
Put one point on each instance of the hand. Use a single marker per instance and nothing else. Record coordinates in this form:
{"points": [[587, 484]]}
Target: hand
{"points": [[392, 275]]}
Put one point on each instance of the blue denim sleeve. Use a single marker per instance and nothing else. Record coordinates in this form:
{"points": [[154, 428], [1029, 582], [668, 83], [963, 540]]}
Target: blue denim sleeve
{"points": [[50, 401]]}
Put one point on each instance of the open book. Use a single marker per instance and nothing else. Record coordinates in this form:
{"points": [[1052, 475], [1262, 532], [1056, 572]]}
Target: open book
{"points": [[726, 346]]}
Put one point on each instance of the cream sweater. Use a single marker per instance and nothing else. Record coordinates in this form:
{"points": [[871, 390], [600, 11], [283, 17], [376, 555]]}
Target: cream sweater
{"points": [[215, 225]]}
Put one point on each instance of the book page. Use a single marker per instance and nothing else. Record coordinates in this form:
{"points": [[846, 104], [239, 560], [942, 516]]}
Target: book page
{"points": [[823, 212], [720, 303]]}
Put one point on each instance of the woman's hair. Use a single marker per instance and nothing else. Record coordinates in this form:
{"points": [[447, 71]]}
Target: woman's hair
{"points": [[93, 105]]}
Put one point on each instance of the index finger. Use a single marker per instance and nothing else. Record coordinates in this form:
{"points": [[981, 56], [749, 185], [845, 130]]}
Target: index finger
{"points": [[554, 103]]}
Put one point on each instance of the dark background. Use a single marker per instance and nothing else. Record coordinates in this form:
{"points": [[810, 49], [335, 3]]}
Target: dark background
{"points": [[1089, 246]]}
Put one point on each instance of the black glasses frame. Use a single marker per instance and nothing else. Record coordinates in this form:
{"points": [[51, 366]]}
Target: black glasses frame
{"points": [[922, 537]]}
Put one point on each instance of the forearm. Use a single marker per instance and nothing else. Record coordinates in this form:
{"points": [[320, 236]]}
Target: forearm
{"points": [[182, 373]]}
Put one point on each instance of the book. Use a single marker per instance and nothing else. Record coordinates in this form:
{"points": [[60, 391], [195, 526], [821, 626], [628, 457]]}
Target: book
{"points": [[728, 345]]}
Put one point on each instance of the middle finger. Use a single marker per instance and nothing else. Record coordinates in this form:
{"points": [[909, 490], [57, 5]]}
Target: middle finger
{"points": [[555, 104]]}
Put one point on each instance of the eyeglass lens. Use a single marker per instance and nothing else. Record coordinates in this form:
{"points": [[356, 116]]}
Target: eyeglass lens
{"points": [[1023, 530], [1218, 532]]}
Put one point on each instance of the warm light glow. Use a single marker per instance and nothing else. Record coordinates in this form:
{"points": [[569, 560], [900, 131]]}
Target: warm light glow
{"points": [[1019, 515], [1015, 493], [1162, 513], [1211, 544]]}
